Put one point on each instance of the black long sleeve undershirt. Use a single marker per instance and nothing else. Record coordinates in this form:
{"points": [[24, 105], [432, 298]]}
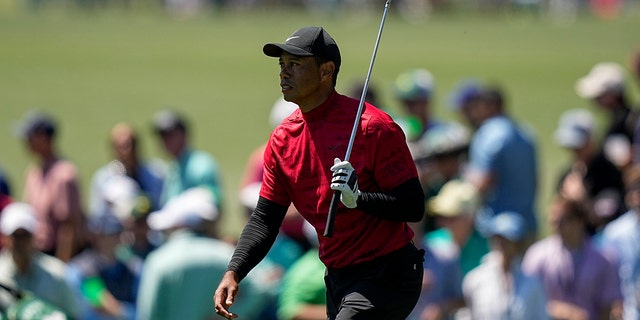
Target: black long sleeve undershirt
{"points": [[257, 237], [404, 203]]}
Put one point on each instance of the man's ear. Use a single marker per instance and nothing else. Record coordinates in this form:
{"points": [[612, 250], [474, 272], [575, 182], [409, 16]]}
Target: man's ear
{"points": [[327, 68]]}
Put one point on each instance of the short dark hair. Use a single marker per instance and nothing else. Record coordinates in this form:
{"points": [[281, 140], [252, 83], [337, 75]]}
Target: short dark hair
{"points": [[573, 208], [493, 95]]}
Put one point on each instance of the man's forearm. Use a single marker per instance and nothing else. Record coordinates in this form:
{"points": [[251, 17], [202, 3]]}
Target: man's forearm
{"points": [[404, 203], [257, 237]]}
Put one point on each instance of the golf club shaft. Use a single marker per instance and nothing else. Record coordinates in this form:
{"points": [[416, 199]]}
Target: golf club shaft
{"points": [[328, 229]]}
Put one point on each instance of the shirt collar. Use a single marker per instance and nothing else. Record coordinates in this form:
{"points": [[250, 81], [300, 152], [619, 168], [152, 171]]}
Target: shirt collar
{"points": [[320, 111]]}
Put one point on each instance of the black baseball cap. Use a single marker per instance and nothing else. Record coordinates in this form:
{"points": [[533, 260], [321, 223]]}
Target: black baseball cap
{"points": [[33, 122], [305, 42]]}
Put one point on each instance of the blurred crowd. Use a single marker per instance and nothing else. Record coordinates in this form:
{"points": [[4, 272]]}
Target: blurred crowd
{"points": [[410, 10], [147, 245]]}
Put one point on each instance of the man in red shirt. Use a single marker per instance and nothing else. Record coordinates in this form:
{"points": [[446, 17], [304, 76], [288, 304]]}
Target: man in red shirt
{"points": [[373, 269]]}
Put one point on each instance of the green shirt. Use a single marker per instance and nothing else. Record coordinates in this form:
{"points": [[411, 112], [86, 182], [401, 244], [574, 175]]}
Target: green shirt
{"points": [[471, 252], [192, 169], [303, 284], [45, 279], [179, 278]]}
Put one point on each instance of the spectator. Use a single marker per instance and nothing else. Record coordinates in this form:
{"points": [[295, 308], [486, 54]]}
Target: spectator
{"points": [[443, 155], [302, 293], [414, 90], [372, 96], [126, 201], [5, 194], [503, 163], [464, 93], [590, 178], [447, 250], [5, 185], [176, 278], [498, 288], [455, 208], [124, 144], [604, 85], [579, 282], [634, 64], [23, 267], [441, 295], [52, 189], [621, 237], [189, 168], [105, 286]]}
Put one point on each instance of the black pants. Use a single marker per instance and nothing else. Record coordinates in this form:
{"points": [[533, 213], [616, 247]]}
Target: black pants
{"points": [[385, 288]]}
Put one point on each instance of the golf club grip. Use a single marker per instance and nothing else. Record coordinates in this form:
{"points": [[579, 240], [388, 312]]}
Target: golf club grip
{"points": [[328, 229]]}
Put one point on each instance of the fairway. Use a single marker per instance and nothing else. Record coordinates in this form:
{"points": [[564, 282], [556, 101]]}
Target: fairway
{"points": [[92, 70]]}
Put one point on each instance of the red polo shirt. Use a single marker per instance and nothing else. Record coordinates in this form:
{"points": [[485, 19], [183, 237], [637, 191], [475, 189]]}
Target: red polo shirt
{"points": [[297, 161]]}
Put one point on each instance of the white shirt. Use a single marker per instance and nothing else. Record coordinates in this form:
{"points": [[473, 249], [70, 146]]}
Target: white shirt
{"points": [[491, 294]]}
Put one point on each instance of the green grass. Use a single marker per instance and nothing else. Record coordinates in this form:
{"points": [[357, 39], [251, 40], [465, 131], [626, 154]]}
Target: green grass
{"points": [[93, 69]]}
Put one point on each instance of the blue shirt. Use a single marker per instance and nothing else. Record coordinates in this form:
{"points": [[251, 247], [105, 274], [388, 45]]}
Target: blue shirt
{"points": [[507, 153], [442, 267], [623, 237], [192, 169]]}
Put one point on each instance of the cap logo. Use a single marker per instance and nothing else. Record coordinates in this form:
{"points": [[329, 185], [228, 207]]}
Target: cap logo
{"points": [[291, 38]]}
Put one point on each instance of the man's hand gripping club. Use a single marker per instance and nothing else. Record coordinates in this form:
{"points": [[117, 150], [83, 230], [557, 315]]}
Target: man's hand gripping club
{"points": [[345, 180]]}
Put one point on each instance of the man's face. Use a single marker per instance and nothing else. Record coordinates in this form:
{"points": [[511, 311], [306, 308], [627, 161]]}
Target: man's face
{"points": [[174, 141], [632, 197], [607, 100], [124, 147], [418, 108], [474, 112], [20, 243], [300, 79], [562, 222], [38, 142]]}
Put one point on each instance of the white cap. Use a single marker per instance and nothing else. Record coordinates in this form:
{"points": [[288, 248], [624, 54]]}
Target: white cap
{"points": [[281, 109], [18, 215], [186, 210], [121, 192], [575, 128], [603, 77]]}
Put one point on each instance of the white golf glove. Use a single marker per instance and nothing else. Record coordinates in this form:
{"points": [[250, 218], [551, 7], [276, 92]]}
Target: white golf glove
{"points": [[345, 180]]}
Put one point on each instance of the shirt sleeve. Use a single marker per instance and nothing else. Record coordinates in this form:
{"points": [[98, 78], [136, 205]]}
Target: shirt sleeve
{"points": [[393, 162], [485, 149], [272, 186]]}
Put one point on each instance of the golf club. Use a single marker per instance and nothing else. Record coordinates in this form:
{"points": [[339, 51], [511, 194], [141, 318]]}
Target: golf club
{"points": [[328, 229]]}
